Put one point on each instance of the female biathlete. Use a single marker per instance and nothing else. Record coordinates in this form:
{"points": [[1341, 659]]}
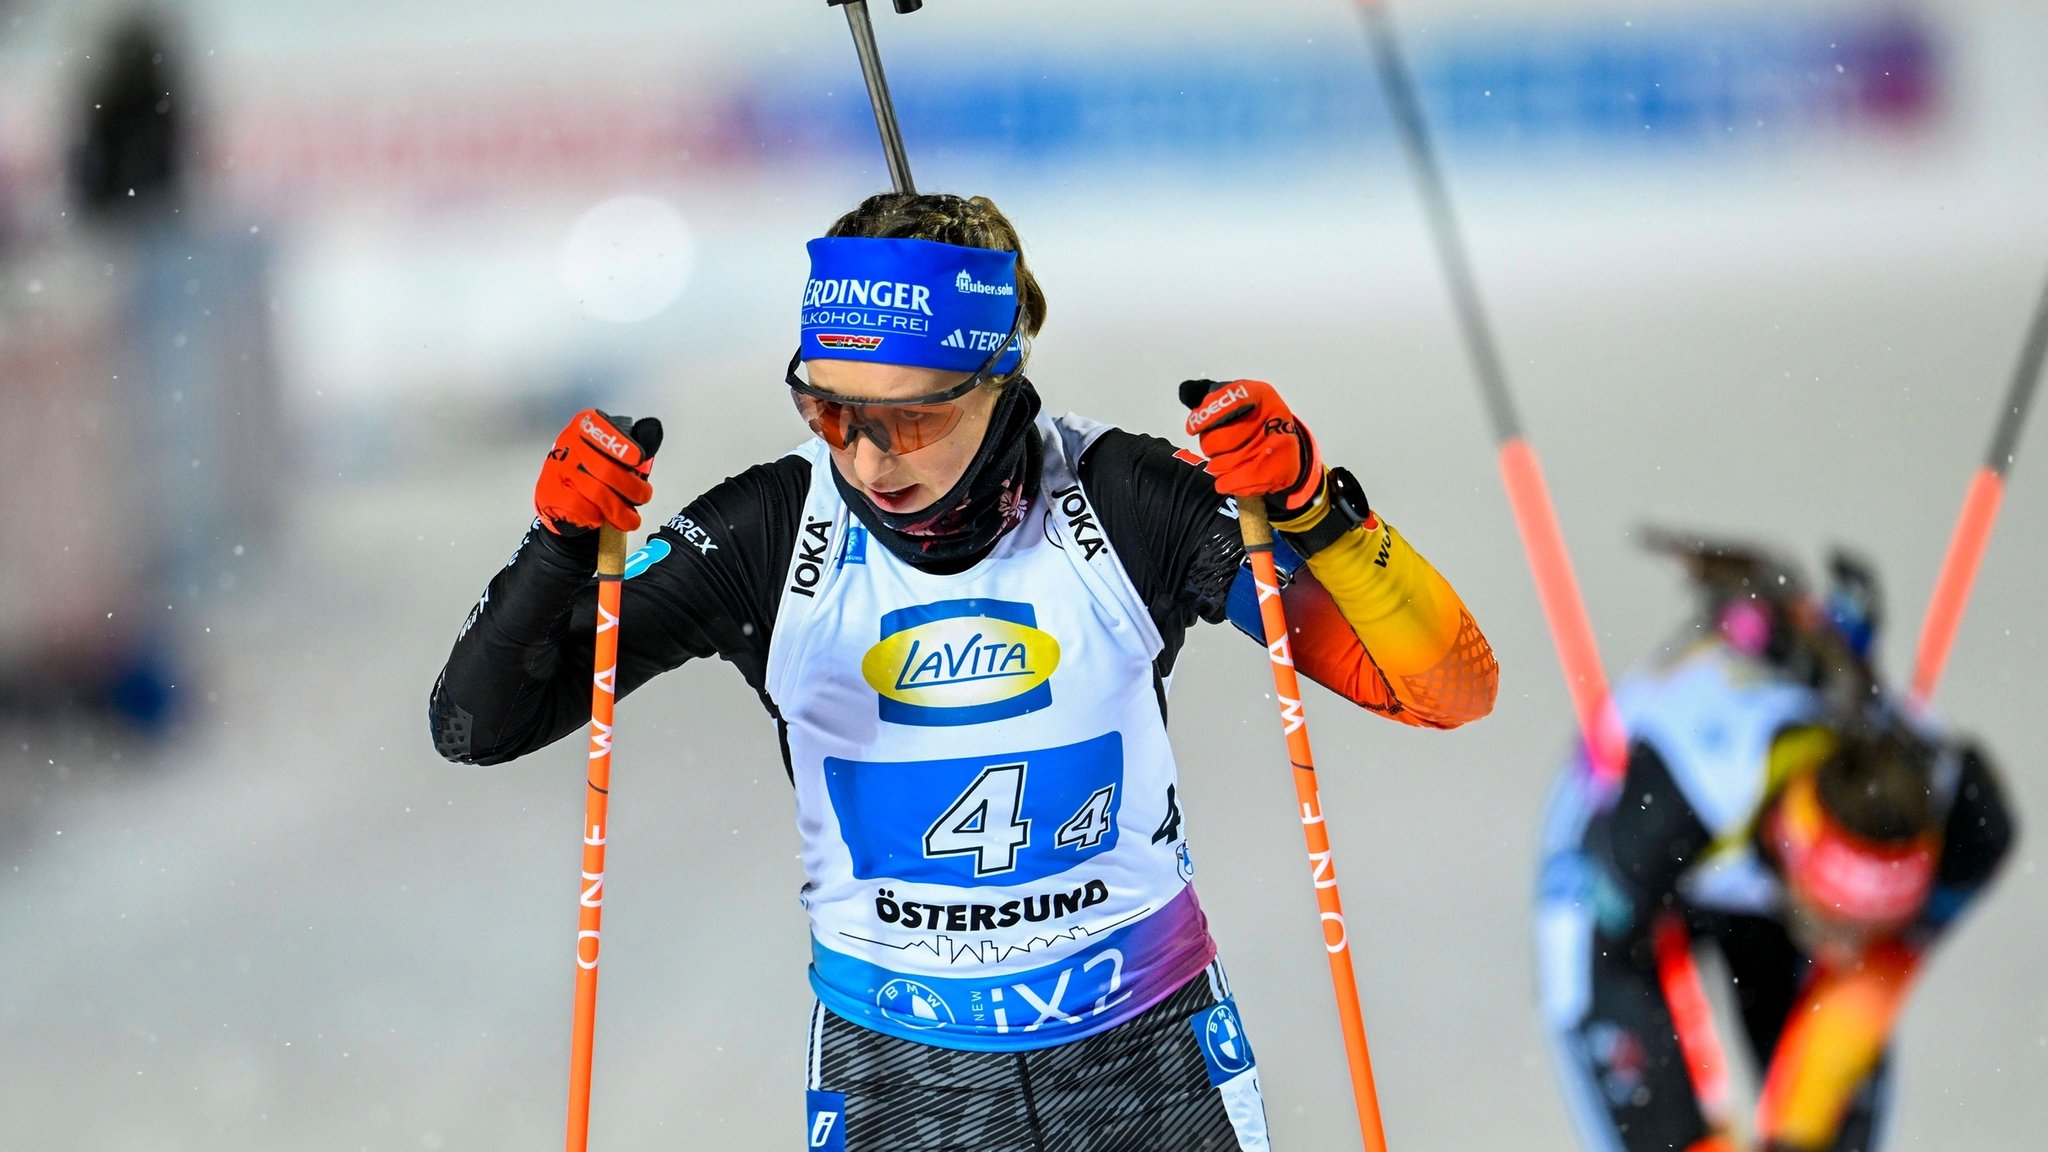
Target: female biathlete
{"points": [[963, 615], [1779, 803]]}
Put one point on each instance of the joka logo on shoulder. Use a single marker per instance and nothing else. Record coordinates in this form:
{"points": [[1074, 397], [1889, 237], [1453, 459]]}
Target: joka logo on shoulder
{"points": [[961, 662]]}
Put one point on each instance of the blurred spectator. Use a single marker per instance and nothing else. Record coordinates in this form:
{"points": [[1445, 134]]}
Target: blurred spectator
{"points": [[138, 407], [130, 162]]}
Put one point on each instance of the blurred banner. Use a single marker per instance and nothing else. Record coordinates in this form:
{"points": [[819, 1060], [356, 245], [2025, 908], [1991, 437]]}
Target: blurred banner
{"points": [[1671, 83], [1521, 89]]}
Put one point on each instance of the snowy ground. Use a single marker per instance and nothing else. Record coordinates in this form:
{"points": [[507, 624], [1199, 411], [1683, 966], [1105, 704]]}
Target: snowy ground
{"points": [[298, 929]]}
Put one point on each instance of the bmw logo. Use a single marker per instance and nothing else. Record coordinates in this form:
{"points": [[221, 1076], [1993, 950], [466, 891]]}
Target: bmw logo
{"points": [[914, 1004], [1226, 1041]]}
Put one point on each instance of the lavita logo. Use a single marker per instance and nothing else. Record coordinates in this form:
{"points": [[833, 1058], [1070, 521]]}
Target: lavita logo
{"points": [[961, 662]]}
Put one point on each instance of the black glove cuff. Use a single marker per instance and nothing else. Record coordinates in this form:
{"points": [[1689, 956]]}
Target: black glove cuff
{"points": [[1348, 509], [575, 546]]}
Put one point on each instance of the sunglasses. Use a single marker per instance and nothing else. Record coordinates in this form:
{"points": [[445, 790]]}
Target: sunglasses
{"points": [[897, 427]]}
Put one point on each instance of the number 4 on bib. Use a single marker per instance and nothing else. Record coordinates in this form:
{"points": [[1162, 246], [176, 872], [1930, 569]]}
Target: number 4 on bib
{"points": [[1090, 824], [1169, 828], [984, 822]]}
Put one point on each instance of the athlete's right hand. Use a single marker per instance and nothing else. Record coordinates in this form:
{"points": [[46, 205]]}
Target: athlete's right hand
{"points": [[1255, 445], [596, 474]]}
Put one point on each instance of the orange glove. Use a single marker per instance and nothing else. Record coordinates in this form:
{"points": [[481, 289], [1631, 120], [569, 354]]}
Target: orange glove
{"points": [[1254, 444], [596, 474]]}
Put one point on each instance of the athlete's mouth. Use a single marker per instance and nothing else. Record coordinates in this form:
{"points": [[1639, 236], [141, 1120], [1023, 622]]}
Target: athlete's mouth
{"points": [[895, 499]]}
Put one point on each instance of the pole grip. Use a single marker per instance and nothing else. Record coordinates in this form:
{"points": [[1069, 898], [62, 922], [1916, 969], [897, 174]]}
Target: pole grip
{"points": [[611, 551], [1253, 524]]}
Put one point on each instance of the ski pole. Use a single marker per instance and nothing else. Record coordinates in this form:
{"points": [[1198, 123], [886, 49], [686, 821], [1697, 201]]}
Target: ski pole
{"points": [[863, 31], [611, 568], [1550, 563], [1979, 511], [1557, 588], [1258, 546]]}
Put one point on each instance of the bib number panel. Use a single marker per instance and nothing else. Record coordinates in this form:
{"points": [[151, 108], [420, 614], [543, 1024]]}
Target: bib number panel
{"points": [[1005, 819]]}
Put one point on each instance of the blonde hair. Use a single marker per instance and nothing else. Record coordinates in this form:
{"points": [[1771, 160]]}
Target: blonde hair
{"points": [[972, 222]]}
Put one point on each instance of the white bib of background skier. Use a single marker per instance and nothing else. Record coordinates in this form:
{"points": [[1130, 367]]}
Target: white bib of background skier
{"points": [[983, 780]]}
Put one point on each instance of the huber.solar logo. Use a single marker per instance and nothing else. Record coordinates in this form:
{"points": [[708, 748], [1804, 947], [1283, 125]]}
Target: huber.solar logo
{"points": [[968, 284]]}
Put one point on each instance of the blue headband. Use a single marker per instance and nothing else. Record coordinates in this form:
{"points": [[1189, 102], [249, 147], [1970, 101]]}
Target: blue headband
{"points": [[916, 302]]}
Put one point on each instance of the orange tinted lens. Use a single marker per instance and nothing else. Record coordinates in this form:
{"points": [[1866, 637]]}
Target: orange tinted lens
{"points": [[915, 427], [830, 421], [892, 429]]}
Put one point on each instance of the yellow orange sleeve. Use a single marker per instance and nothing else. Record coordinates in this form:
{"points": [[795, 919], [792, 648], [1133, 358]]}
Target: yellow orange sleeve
{"points": [[1833, 1039], [1402, 643]]}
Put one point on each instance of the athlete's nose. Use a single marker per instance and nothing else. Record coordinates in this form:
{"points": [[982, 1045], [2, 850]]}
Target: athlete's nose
{"points": [[870, 463]]}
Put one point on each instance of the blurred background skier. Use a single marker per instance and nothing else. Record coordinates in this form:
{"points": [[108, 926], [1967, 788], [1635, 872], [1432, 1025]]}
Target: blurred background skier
{"points": [[1784, 805]]}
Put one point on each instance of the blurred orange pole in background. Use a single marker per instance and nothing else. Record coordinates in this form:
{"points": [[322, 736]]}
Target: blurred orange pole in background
{"points": [[1564, 609], [611, 567], [1258, 546], [1980, 510], [1958, 575]]}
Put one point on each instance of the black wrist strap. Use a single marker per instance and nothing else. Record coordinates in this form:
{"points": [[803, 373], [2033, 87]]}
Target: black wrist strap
{"points": [[1348, 509]]}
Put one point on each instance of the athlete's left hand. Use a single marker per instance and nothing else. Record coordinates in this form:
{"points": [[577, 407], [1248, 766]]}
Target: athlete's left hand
{"points": [[1255, 445]]}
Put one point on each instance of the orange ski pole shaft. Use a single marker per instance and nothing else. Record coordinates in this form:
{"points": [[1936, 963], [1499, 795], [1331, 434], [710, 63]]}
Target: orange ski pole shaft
{"points": [[1692, 1015], [1607, 747], [1564, 609], [1980, 510], [611, 567], [1958, 574], [1258, 546]]}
